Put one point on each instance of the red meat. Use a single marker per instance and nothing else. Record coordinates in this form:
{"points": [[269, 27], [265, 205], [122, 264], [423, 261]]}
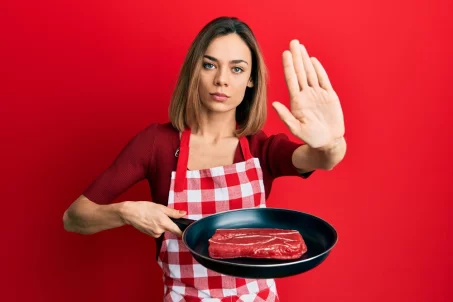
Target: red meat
{"points": [[256, 243]]}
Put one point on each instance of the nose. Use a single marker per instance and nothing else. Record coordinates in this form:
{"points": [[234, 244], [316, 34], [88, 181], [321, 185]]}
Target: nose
{"points": [[221, 78]]}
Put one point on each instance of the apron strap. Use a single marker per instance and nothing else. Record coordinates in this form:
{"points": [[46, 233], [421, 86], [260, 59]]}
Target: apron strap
{"points": [[245, 148], [183, 158]]}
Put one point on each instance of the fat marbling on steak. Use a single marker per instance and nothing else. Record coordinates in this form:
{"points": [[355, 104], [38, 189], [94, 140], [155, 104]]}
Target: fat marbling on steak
{"points": [[256, 243]]}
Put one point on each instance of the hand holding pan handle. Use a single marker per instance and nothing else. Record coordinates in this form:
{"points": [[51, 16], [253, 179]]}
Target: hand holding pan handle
{"points": [[182, 223]]}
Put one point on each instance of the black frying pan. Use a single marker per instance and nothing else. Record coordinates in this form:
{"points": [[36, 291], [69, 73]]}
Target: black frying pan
{"points": [[319, 236]]}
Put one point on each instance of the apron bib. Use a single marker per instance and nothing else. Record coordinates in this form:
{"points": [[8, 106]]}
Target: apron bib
{"points": [[202, 193]]}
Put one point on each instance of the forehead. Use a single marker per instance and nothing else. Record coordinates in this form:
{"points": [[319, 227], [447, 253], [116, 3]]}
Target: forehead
{"points": [[229, 47]]}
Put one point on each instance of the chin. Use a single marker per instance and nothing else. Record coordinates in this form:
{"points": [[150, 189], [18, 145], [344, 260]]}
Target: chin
{"points": [[218, 107], [214, 106]]}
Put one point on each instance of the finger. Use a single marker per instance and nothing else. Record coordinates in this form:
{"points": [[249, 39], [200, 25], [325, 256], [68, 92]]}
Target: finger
{"points": [[154, 234], [323, 78], [286, 116], [290, 74], [173, 213], [149, 232], [310, 71], [294, 47], [171, 227]]}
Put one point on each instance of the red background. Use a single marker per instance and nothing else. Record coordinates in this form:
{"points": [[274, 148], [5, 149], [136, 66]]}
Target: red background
{"points": [[80, 79]]}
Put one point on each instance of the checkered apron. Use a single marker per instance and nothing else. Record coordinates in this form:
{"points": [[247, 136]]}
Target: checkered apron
{"points": [[202, 193]]}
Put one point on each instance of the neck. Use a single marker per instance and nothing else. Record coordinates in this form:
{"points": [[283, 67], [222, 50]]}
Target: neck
{"points": [[214, 126]]}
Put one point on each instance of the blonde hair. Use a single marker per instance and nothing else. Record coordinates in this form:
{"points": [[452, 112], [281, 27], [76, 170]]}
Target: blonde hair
{"points": [[185, 103]]}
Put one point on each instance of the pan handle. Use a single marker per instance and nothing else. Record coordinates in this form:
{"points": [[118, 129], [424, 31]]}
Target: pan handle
{"points": [[182, 223]]}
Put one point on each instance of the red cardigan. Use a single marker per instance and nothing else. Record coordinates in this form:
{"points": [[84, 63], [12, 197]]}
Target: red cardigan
{"points": [[150, 155]]}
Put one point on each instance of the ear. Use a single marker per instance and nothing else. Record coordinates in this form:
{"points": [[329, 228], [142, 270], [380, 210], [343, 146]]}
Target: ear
{"points": [[250, 83]]}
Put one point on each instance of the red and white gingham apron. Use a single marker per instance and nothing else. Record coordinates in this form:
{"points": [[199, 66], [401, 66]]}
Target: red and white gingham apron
{"points": [[201, 193]]}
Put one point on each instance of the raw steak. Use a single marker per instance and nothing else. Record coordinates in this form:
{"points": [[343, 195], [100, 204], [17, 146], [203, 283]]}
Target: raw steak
{"points": [[256, 243]]}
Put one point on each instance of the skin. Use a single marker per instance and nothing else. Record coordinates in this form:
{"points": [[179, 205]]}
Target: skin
{"points": [[227, 68], [314, 116]]}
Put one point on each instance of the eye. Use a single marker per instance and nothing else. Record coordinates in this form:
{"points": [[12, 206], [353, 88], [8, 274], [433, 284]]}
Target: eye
{"points": [[238, 69], [208, 65]]}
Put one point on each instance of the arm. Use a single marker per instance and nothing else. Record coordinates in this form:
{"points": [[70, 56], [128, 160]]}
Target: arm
{"points": [[306, 158], [94, 211], [86, 217]]}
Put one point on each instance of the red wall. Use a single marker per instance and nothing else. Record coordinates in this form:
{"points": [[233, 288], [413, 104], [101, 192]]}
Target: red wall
{"points": [[80, 78]]}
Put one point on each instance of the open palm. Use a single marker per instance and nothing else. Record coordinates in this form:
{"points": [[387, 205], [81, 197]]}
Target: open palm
{"points": [[315, 115]]}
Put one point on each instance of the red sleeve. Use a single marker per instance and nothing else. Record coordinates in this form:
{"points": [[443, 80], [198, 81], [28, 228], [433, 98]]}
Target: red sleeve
{"points": [[276, 153], [129, 167]]}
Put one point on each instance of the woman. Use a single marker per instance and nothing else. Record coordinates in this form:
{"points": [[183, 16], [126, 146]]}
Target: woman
{"points": [[213, 156]]}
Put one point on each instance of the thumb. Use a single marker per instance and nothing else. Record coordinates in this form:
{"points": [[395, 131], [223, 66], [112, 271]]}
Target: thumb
{"points": [[173, 213], [170, 225], [285, 115]]}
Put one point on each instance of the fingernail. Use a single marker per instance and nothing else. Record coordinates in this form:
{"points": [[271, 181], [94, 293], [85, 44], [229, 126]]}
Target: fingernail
{"points": [[182, 212]]}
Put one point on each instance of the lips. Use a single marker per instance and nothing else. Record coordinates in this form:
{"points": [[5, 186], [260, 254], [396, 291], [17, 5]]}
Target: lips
{"points": [[219, 96]]}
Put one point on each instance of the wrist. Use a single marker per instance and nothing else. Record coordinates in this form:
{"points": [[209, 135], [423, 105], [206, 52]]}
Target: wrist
{"points": [[122, 210], [332, 145]]}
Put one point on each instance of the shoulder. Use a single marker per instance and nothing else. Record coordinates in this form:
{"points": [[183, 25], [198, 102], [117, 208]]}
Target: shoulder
{"points": [[166, 134], [153, 144], [155, 132], [152, 137], [164, 137], [158, 128], [257, 139]]}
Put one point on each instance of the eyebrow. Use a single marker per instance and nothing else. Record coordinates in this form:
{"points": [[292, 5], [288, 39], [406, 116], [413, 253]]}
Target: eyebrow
{"points": [[232, 61]]}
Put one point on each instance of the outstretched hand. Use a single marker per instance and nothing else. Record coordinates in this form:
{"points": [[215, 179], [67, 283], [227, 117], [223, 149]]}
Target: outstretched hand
{"points": [[315, 115]]}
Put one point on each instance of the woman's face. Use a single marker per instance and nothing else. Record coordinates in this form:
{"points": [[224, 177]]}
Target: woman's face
{"points": [[227, 67]]}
